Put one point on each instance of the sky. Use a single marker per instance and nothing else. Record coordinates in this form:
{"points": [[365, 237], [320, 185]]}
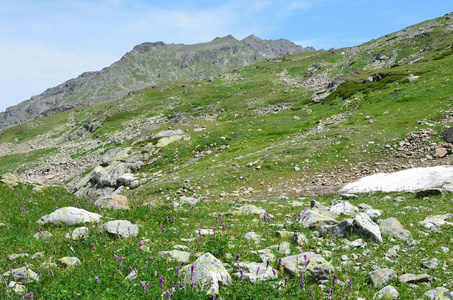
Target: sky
{"points": [[43, 43]]}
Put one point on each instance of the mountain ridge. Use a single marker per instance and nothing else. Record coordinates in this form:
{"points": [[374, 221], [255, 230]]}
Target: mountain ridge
{"points": [[145, 65]]}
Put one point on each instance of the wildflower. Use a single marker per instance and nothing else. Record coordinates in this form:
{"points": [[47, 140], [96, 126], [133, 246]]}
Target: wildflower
{"points": [[257, 271], [286, 280], [168, 295], [240, 271], [177, 271], [334, 280], [199, 232], [311, 293], [267, 263], [191, 271], [161, 279], [350, 284], [279, 261], [51, 272], [274, 272], [96, 279], [161, 228], [116, 256], [302, 282], [213, 230], [100, 260], [237, 257], [151, 258], [165, 243]]}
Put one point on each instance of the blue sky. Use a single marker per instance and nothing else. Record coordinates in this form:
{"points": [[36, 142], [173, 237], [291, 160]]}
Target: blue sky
{"points": [[46, 42]]}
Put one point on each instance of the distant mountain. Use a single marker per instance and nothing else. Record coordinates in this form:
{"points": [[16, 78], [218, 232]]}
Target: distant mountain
{"points": [[146, 65]]}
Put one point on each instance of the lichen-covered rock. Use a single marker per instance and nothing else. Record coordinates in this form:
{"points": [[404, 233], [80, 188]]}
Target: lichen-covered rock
{"points": [[431, 222], [365, 227], [313, 218], [344, 208], [310, 262], [175, 256], [387, 293], [67, 262], [78, 233], [121, 228], [439, 293], [22, 275], [113, 202], [342, 229], [411, 278], [249, 209], [10, 179], [70, 216], [392, 227], [381, 277], [132, 275], [209, 272], [374, 214], [254, 272]]}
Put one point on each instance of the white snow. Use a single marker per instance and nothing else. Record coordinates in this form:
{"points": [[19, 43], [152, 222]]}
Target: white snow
{"points": [[407, 180]]}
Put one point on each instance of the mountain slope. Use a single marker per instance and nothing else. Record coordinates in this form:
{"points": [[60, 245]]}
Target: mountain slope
{"points": [[305, 123], [146, 65]]}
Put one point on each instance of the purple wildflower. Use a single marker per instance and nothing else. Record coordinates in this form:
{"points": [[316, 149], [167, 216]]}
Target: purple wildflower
{"points": [[51, 272], [334, 280], [279, 261], [199, 232], [302, 282], [267, 263], [96, 279], [100, 260], [116, 256], [177, 271], [311, 293], [237, 257], [350, 284], [286, 280], [213, 230], [242, 275], [165, 243], [274, 272], [257, 271], [168, 295], [161, 279]]}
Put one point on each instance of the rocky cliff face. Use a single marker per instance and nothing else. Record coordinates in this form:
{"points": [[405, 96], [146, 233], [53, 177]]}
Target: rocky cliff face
{"points": [[148, 64]]}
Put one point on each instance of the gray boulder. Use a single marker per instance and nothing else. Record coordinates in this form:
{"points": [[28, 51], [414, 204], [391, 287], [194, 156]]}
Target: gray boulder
{"points": [[365, 227], [387, 293], [113, 202], [121, 228], [314, 218], [381, 277], [308, 262], [209, 272], [254, 272], [411, 278], [22, 275], [431, 222], [342, 229], [344, 208], [392, 227], [439, 293], [448, 135], [70, 216]]}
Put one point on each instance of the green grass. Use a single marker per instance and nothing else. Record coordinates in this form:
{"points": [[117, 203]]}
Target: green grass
{"points": [[21, 208]]}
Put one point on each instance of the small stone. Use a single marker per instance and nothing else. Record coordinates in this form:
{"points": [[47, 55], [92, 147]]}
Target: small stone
{"points": [[252, 236], [175, 256], [315, 265], [37, 255], [349, 196], [67, 262], [121, 228], [12, 257], [42, 235], [78, 233], [387, 293], [22, 275], [132, 275]]}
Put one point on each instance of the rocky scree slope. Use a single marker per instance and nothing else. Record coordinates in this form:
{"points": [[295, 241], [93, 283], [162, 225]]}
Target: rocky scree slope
{"points": [[146, 65]]}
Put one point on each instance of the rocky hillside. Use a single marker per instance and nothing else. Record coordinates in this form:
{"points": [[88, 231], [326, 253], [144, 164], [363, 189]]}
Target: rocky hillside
{"points": [[146, 65]]}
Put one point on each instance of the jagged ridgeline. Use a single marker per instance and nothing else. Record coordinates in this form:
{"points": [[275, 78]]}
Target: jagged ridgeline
{"points": [[146, 65]]}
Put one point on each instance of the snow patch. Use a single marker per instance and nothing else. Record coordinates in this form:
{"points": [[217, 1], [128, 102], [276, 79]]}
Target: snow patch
{"points": [[407, 180]]}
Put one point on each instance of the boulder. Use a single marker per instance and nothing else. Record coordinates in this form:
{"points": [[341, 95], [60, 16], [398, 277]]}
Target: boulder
{"points": [[209, 272], [439, 293], [22, 275], [121, 228], [314, 218], [344, 208], [411, 278], [308, 262], [392, 227], [374, 214], [428, 192], [381, 277], [365, 227], [431, 222], [10, 179], [254, 272], [175, 256], [387, 293], [67, 262], [113, 202], [342, 229], [70, 216], [448, 135]]}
